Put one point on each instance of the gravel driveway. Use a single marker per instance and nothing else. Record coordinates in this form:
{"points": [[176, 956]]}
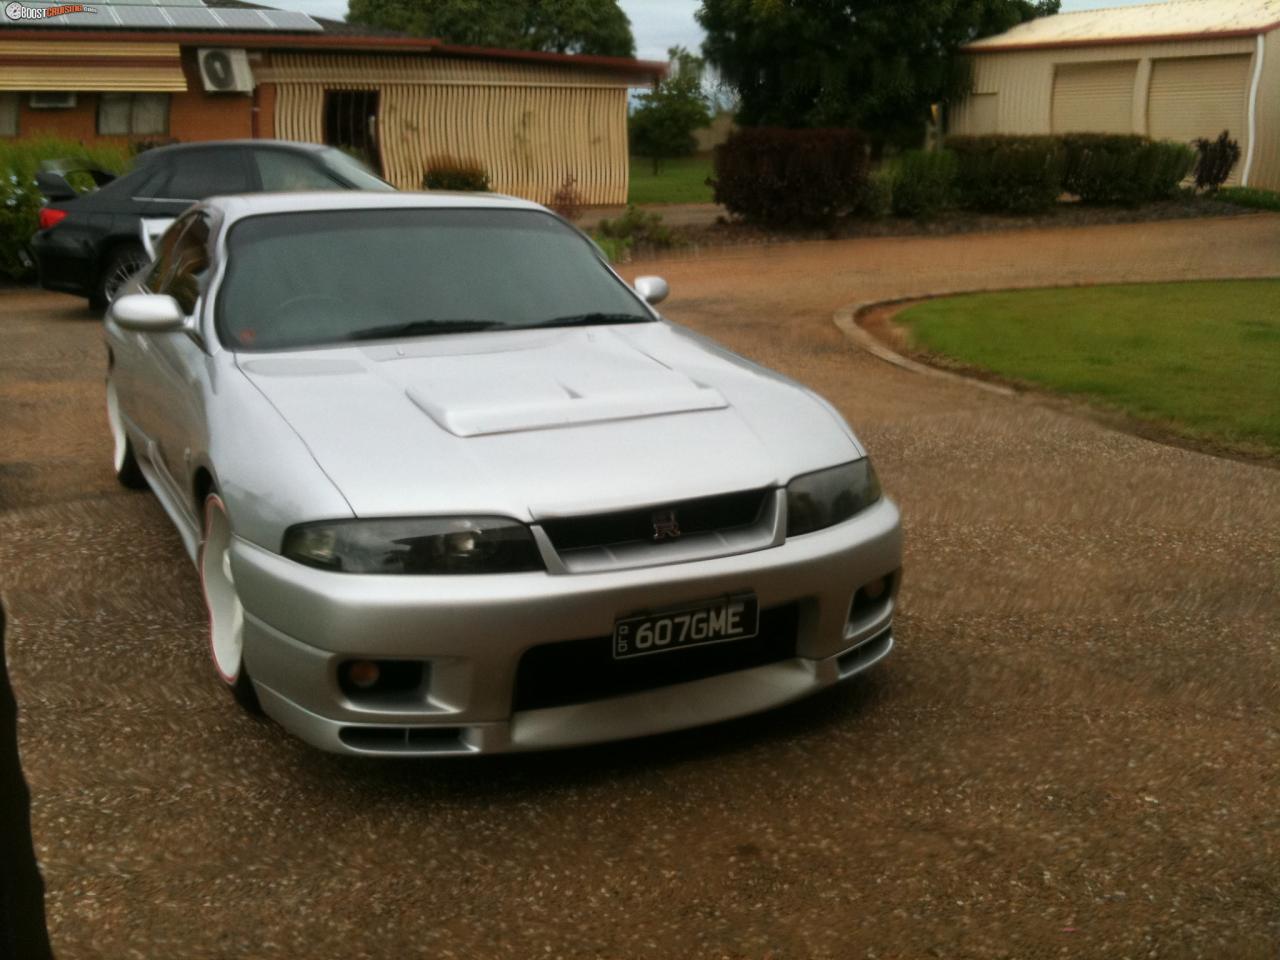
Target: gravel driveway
{"points": [[1072, 753]]}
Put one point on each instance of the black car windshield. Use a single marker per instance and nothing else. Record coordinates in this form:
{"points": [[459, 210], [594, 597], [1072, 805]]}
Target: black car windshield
{"points": [[353, 171], [310, 278]]}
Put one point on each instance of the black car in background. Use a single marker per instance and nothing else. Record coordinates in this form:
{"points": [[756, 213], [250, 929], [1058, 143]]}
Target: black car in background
{"points": [[90, 243]]}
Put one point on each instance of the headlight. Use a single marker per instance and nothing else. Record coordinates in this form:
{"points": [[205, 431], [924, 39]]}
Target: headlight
{"points": [[448, 545], [825, 498]]}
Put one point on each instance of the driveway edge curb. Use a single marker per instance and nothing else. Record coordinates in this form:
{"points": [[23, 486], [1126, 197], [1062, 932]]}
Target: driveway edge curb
{"points": [[846, 320]]}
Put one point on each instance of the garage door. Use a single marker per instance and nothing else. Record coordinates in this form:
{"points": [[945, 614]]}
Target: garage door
{"points": [[1094, 97], [1199, 97]]}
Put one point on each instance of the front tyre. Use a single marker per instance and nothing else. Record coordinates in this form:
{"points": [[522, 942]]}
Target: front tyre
{"points": [[122, 457], [226, 615]]}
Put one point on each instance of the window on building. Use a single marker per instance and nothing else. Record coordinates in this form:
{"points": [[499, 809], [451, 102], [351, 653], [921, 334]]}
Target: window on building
{"points": [[8, 114], [351, 124], [124, 114], [280, 170]]}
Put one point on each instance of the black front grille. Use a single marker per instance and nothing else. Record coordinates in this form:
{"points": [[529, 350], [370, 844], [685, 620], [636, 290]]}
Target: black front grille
{"points": [[579, 671], [704, 515]]}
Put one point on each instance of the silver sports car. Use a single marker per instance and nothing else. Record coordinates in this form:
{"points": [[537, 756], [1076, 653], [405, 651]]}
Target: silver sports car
{"points": [[453, 487]]}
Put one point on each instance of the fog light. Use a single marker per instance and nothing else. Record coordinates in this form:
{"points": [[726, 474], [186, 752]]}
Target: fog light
{"points": [[872, 597], [368, 681], [875, 589], [363, 673]]}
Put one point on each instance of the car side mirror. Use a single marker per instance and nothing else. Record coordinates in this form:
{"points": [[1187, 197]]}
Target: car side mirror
{"points": [[652, 290], [148, 313]]}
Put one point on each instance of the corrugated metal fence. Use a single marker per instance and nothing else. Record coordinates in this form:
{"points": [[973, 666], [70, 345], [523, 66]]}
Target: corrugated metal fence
{"points": [[531, 126]]}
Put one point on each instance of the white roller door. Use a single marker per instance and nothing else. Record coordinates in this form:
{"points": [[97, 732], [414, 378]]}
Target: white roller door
{"points": [[1200, 97], [1094, 97]]}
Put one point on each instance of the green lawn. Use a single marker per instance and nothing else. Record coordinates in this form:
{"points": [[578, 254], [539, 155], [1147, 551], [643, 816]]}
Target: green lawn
{"points": [[1250, 197], [682, 180], [1200, 358]]}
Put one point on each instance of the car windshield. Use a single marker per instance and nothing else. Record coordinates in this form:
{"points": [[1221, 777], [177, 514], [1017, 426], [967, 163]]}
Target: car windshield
{"points": [[309, 278]]}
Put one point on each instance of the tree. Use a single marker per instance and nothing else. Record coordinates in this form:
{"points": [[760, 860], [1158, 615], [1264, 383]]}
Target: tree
{"points": [[868, 64], [665, 117], [559, 26]]}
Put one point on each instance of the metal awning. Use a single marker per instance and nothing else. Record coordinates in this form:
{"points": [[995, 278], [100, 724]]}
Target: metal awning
{"points": [[87, 66]]}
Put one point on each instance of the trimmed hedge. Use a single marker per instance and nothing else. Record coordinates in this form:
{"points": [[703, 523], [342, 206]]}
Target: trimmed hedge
{"points": [[1124, 170], [782, 177], [875, 202], [1007, 174], [449, 173], [20, 200], [923, 183]]}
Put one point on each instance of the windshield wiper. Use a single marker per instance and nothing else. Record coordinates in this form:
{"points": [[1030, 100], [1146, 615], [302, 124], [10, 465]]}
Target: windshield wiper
{"points": [[589, 319], [417, 328]]}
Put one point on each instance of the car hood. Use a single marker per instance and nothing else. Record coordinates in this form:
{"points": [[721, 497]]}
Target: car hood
{"points": [[542, 423]]}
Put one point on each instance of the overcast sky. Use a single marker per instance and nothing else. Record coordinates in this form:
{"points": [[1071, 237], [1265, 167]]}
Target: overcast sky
{"points": [[657, 24]]}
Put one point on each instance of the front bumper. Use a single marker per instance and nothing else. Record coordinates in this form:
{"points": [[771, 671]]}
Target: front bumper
{"points": [[302, 623]]}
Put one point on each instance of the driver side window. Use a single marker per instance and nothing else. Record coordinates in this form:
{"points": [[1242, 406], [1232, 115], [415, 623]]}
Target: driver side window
{"points": [[164, 256], [190, 263]]}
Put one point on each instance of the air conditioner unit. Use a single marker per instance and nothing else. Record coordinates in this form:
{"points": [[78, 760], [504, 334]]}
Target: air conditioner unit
{"points": [[52, 100], [225, 71]]}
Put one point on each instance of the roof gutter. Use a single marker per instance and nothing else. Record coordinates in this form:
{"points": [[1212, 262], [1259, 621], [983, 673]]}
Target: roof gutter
{"points": [[1239, 34], [347, 43]]}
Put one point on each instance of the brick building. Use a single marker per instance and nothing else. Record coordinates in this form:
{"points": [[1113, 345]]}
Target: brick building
{"points": [[185, 70]]}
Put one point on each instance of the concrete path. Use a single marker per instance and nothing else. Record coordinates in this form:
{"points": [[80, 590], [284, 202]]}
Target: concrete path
{"points": [[1072, 752]]}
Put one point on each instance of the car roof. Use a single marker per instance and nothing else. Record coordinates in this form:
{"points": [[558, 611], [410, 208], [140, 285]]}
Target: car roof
{"points": [[176, 148], [256, 204]]}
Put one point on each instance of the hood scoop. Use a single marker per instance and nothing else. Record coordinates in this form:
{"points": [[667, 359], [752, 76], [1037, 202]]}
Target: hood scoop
{"points": [[582, 377], [540, 403]]}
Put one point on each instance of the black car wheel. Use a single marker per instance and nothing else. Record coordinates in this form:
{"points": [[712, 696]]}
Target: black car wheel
{"points": [[123, 262]]}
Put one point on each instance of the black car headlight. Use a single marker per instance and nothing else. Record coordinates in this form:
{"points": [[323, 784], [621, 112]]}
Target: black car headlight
{"points": [[825, 498], [439, 545]]}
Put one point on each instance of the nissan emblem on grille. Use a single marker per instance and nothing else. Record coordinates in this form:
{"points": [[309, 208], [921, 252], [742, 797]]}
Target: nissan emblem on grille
{"points": [[665, 525]]}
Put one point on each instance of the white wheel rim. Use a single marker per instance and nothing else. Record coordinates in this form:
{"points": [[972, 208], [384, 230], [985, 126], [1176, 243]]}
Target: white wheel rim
{"points": [[226, 615], [120, 276], [118, 438]]}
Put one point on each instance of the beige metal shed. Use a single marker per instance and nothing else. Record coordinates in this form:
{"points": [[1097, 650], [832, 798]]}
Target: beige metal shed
{"points": [[1175, 70]]}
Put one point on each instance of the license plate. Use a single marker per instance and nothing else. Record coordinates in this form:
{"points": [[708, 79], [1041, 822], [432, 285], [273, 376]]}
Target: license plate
{"points": [[710, 621]]}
